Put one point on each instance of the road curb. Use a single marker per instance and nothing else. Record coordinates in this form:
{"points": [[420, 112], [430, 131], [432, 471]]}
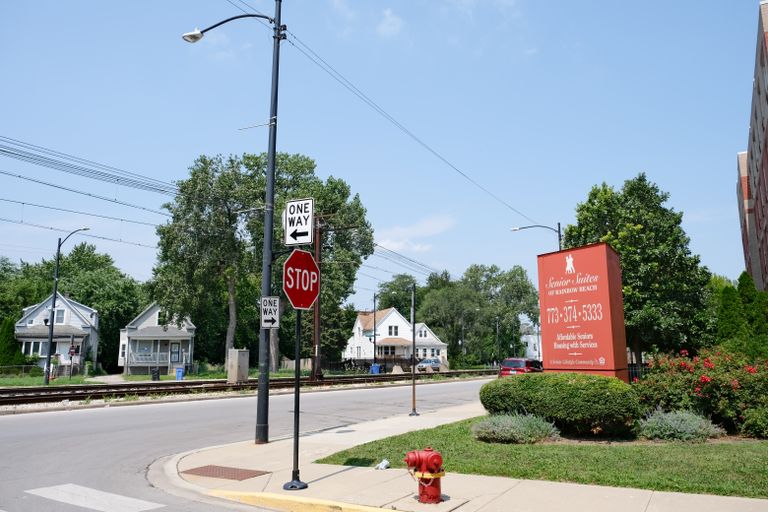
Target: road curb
{"points": [[290, 503]]}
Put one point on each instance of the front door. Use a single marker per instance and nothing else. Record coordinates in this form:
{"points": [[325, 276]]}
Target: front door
{"points": [[175, 352]]}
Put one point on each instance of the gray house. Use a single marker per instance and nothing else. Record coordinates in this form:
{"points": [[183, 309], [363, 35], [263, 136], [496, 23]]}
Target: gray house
{"points": [[151, 340], [75, 333]]}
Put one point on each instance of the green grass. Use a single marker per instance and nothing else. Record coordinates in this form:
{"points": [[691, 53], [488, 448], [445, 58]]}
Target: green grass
{"points": [[15, 381], [730, 468]]}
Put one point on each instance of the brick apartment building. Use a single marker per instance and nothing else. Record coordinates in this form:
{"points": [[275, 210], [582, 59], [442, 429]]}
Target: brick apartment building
{"points": [[752, 182]]}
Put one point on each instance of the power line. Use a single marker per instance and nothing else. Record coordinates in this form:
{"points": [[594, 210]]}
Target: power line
{"points": [[50, 228], [95, 196], [40, 155], [406, 258], [316, 59], [78, 212]]}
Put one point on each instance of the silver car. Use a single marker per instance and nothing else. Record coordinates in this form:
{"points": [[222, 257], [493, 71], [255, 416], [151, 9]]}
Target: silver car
{"points": [[433, 362]]}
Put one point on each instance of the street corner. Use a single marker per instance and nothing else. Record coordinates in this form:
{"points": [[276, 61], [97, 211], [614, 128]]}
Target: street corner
{"points": [[290, 503]]}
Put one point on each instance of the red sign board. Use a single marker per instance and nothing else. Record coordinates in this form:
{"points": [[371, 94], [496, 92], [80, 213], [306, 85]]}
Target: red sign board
{"points": [[301, 279], [582, 311]]}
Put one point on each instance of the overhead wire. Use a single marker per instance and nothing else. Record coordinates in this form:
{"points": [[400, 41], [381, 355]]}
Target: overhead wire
{"points": [[95, 196], [40, 155], [51, 228], [23, 203], [320, 62]]}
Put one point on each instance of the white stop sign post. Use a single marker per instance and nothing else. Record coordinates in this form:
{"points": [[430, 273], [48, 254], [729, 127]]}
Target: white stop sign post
{"points": [[301, 284]]}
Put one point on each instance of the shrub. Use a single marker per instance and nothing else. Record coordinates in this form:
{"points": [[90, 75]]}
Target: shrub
{"points": [[514, 428], [716, 384], [755, 422], [577, 403], [678, 426]]}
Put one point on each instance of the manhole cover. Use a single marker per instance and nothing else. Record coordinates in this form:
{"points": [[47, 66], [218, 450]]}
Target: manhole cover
{"points": [[225, 472]]}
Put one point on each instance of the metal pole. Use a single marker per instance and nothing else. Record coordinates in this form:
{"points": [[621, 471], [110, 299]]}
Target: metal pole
{"points": [[559, 238], [296, 483], [316, 349], [262, 404], [498, 347], [47, 376], [374, 328], [413, 351]]}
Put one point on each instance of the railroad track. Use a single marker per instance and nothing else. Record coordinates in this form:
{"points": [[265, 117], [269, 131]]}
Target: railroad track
{"points": [[40, 394]]}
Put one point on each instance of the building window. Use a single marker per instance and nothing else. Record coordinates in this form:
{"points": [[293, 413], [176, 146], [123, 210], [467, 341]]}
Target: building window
{"points": [[358, 352], [433, 352], [59, 316], [162, 318], [438, 351], [30, 321], [393, 330]]}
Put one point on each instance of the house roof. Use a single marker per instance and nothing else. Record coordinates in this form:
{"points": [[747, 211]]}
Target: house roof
{"points": [[395, 342], [366, 318], [59, 331], [161, 332], [72, 305], [136, 321]]}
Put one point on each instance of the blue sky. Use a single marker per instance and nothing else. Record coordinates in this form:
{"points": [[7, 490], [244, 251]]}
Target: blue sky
{"points": [[536, 101]]}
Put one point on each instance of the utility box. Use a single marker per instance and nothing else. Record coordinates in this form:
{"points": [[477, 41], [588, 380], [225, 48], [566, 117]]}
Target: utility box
{"points": [[237, 366]]}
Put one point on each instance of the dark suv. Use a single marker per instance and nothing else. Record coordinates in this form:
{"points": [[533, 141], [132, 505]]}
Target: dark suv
{"points": [[515, 365]]}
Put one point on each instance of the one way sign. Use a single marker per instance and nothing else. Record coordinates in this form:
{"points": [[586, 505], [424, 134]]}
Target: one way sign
{"points": [[270, 312], [298, 222]]}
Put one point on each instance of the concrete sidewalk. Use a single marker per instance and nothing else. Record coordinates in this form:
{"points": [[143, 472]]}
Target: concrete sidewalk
{"points": [[255, 474]]}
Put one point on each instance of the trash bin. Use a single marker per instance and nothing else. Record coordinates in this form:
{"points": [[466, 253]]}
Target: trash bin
{"points": [[179, 373], [375, 367], [155, 373]]}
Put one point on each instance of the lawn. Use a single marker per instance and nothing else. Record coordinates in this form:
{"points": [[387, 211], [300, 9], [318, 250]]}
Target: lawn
{"points": [[732, 467], [25, 381]]}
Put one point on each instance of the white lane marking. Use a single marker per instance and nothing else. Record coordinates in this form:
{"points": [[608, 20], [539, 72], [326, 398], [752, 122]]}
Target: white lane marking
{"points": [[93, 499]]}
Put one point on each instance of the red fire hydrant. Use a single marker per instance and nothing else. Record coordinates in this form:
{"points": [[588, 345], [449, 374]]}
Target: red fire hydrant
{"points": [[427, 469]]}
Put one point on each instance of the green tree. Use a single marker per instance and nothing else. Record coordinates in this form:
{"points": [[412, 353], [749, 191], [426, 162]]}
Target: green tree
{"points": [[731, 320], [209, 266], [396, 293], [665, 287], [10, 352]]}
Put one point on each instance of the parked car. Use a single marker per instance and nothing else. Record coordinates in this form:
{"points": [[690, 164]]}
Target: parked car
{"points": [[515, 365], [433, 362]]}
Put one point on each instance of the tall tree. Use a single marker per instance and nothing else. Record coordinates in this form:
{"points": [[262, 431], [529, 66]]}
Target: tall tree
{"points": [[200, 249], [396, 293], [211, 255], [665, 287], [10, 353]]}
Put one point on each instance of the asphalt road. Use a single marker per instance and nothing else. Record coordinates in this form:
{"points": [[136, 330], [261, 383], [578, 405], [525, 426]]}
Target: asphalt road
{"points": [[47, 459]]}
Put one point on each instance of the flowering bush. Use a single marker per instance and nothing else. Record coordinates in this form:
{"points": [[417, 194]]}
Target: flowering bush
{"points": [[718, 385]]}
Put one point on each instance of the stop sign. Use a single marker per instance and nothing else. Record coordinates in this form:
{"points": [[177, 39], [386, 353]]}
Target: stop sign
{"points": [[301, 279]]}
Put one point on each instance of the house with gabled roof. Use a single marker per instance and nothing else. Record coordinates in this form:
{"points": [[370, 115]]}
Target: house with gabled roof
{"points": [[75, 333], [393, 340], [154, 340]]}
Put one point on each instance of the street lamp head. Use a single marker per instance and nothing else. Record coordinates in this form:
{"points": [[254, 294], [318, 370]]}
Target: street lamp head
{"points": [[514, 229], [193, 37]]}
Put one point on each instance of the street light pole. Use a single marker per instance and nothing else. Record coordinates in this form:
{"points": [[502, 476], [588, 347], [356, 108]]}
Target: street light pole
{"points": [[374, 328], [559, 233], [262, 404], [47, 376]]}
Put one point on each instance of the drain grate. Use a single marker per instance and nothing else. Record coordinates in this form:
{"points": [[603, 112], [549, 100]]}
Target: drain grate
{"points": [[225, 472]]}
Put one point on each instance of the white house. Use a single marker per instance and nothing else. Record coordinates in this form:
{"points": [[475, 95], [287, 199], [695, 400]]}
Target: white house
{"points": [[394, 338], [75, 332], [151, 340]]}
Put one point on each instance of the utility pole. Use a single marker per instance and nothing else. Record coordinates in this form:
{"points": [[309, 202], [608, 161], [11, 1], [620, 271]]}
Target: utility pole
{"points": [[374, 328], [413, 351], [498, 347], [316, 371]]}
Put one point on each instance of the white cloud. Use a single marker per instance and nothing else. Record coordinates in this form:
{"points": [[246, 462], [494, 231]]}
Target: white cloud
{"points": [[391, 25], [341, 7], [408, 237]]}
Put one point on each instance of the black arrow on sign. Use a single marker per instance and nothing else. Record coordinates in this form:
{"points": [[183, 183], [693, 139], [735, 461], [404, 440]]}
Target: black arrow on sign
{"points": [[296, 234], [272, 321]]}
